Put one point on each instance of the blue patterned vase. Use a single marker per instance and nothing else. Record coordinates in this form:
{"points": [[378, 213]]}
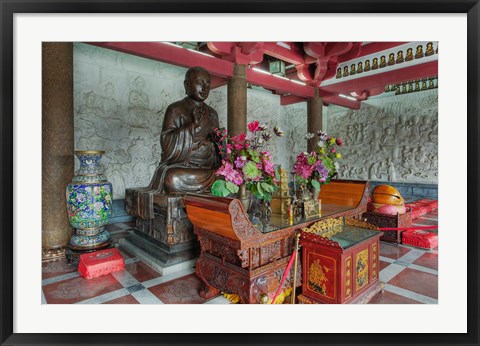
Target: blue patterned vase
{"points": [[89, 203]]}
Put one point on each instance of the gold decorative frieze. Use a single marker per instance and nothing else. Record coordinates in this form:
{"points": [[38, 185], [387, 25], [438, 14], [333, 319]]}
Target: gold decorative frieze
{"points": [[413, 86], [361, 268], [323, 225], [359, 223], [394, 56]]}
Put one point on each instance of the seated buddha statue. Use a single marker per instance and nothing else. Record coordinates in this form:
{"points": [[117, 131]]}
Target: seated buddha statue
{"points": [[189, 156]]}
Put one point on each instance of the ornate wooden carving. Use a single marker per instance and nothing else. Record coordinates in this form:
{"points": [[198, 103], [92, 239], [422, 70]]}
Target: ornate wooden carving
{"points": [[236, 257], [390, 221], [242, 226]]}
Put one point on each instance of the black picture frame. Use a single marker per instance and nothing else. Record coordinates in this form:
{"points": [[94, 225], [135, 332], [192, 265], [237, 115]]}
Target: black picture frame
{"points": [[10, 7]]}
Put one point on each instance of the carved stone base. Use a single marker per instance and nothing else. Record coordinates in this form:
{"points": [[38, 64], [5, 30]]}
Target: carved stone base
{"points": [[170, 224], [73, 256], [53, 254], [361, 299], [166, 259]]}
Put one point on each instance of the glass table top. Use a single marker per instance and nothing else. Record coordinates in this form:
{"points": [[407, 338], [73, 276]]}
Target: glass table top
{"points": [[347, 236], [277, 222]]}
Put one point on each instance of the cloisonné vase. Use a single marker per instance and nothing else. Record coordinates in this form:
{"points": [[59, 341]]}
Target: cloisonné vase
{"points": [[89, 203]]}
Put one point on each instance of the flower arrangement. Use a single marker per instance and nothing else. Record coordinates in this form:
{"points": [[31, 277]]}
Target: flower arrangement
{"points": [[319, 166], [245, 160]]}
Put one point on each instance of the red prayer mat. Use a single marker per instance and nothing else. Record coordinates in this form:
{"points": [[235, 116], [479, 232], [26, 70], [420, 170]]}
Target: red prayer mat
{"points": [[99, 263], [420, 238], [422, 206]]}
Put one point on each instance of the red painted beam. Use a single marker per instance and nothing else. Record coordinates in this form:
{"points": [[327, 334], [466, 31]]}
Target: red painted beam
{"points": [[217, 82], [292, 56], [172, 55], [282, 86], [341, 101], [381, 79], [291, 99], [217, 67]]}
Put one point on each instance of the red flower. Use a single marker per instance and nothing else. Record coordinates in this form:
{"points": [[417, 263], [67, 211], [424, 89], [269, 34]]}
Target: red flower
{"points": [[254, 126]]}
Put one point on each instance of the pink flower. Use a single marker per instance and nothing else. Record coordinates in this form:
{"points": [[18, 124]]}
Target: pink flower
{"points": [[230, 173], [332, 150], [240, 161], [267, 154], [254, 126], [302, 168], [269, 167]]}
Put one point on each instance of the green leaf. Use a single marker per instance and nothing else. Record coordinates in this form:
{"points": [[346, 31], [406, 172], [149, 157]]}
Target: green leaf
{"points": [[231, 187], [250, 170], [267, 187], [277, 173], [255, 155], [315, 184], [311, 160], [219, 188], [259, 188]]}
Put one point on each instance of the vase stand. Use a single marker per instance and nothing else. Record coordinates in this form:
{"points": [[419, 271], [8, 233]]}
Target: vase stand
{"points": [[73, 255]]}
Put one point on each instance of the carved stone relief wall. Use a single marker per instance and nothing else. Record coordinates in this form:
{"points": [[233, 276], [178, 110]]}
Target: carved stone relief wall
{"points": [[119, 105], [296, 129], [391, 138]]}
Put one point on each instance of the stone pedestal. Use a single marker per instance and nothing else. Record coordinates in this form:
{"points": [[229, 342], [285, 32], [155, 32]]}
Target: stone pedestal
{"points": [[166, 241]]}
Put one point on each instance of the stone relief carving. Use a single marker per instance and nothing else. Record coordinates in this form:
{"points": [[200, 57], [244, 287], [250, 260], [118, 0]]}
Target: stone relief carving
{"points": [[398, 137]]}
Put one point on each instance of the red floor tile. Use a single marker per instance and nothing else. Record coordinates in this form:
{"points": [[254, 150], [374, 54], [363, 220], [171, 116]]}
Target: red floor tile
{"points": [[141, 271], [387, 297], [56, 268], [183, 290], [383, 264], [77, 289], [128, 299], [429, 260], [417, 281], [392, 250]]}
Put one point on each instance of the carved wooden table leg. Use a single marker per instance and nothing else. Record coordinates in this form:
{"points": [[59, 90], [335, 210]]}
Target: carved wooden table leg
{"points": [[208, 291]]}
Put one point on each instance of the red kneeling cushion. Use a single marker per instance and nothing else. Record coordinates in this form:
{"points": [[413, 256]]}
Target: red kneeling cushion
{"points": [[386, 209], [99, 263], [422, 206], [420, 238]]}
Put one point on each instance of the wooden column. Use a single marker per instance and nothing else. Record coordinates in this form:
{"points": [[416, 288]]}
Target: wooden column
{"points": [[237, 101], [314, 115], [57, 145]]}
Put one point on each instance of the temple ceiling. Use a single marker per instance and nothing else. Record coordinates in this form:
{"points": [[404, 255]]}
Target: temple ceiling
{"points": [[345, 73]]}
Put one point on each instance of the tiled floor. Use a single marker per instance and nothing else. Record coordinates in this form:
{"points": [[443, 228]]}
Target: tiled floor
{"points": [[410, 276]]}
